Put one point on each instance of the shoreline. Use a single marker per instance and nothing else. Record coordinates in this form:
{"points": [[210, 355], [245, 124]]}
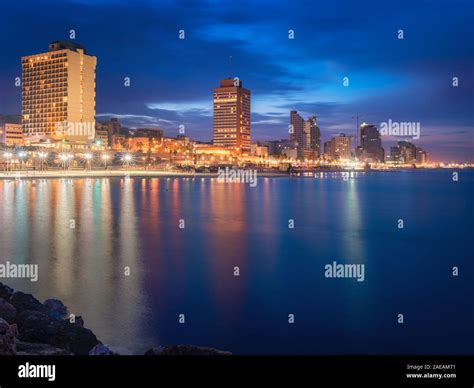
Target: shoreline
{"points": [[77, 174], [31, 328]]}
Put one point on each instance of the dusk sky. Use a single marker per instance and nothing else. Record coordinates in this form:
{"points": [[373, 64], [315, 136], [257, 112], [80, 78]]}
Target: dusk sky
{"points": [[172, 79]]}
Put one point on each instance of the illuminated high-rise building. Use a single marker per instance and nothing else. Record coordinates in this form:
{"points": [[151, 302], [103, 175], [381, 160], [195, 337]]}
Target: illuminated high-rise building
{"points": [[370, 149], [232, 115], [58, 93], [312, 138], [339, 147], [305, 135]]}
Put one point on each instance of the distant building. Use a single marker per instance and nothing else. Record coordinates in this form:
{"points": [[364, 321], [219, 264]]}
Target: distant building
{"points": [[111, 127], [232, 115], [119, 142], [258, 150], [275, 147], [151, 133], [370, 149], [102, 135], [406, 152], [291, 153], [421, 156], [11, 134], [297, 132], [58, 93], [312, 139], [305, 135], [339, 147]]}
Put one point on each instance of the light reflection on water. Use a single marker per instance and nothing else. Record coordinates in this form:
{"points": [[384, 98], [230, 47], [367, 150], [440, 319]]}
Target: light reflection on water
{"points": [[134, 223]]}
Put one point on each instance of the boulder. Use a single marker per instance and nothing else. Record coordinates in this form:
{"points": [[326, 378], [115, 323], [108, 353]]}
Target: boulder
{"points": [[8, 335], [31, 315], [7, 311], [32, 349], [40, 328], [55, 309], [101, 350], [22, 302], [185, 350], [5, 291]]}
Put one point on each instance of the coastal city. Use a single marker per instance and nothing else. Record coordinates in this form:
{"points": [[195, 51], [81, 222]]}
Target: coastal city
{"points": [[57, 131], [284, 187]]}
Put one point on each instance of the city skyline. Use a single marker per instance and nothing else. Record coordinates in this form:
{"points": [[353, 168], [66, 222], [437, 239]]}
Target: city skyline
{"points": [[174, 87]]}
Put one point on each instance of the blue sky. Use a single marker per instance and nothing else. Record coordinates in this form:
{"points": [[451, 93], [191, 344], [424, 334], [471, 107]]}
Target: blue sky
{"points": [[172, 79]]}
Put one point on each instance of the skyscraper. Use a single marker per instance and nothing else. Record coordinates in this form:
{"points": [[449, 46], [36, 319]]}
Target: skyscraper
{"points": [[312, 138], [297, 132], [370, 148], [232, 115], [305, 135], [58, 93]]}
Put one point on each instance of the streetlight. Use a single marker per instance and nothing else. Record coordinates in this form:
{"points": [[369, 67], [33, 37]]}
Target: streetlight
{"points": [[88, 157], [127, 158], [42, 156], [105, 158], [21, 156], [64, 158], [7, 156]]}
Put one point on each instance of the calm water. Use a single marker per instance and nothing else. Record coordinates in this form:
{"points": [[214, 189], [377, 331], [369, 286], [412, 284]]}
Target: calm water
{"points": [[190, 271]]}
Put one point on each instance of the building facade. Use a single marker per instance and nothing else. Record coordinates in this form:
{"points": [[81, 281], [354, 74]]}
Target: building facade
{"points": [[305, 135], [232, 115], [11, 134], [297, 135], [312, 139], [370, 148], [407, 152], [58, 93], [339, 147]]}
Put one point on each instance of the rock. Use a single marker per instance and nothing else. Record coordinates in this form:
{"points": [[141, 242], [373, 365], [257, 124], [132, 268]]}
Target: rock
{"points": [[33, 325], [55, 309], [186, 350], [29, 314], [154, 351], [101, 350], [5, 291], [40, 328], [8, 335], [7, 311], [22, 302], [31, 349]]}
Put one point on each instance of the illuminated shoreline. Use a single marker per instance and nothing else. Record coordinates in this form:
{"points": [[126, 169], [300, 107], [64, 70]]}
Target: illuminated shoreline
{"points": [[29, 174]]}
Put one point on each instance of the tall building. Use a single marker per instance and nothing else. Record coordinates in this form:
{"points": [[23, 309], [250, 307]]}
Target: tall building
{"points": [[339, 147], [421, 156], [297, 132], [232, 115], [305, 135], [58, 93], [312, 138], [370, 149]]}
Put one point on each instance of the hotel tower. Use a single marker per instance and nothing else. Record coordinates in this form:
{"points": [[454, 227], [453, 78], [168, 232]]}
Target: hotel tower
{"points": [[232, 115], [58, 93]]}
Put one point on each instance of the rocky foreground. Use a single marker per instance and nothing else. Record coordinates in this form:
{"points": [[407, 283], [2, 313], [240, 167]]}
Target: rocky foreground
{"points": [[29, 328]]}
